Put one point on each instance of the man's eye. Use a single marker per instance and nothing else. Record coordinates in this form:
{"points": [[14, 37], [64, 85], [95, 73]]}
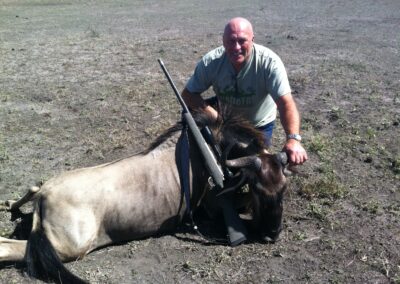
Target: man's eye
{"points": [[239, 41]]}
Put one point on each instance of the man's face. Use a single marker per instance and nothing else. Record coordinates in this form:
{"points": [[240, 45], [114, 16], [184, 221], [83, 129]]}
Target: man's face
{"points": [[238, 43]]}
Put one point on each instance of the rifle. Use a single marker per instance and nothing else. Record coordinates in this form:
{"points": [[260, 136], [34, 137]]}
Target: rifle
{"points": [[209, 159], [235, 227]]}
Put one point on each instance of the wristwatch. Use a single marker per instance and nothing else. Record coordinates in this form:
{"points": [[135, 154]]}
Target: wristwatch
{"points": [[294, 136]]}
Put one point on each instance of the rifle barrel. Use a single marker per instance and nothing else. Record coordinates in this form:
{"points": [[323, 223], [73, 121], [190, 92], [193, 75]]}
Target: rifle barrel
{"points": [[184, 106]]}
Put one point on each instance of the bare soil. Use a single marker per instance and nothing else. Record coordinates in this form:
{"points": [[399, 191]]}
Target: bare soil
{"points": [[80, 85]]}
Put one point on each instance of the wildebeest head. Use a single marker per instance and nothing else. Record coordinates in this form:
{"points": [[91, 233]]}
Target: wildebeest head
{"points": [[264, 174], [244, 152]]}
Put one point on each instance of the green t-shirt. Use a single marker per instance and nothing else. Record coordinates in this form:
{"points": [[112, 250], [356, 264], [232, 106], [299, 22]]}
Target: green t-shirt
{"points": [[252, 91]]}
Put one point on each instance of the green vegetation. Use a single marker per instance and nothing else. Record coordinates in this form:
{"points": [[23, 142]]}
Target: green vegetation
{"points": [[324, 186], [320, 145], [371, 207], [317, 211]]}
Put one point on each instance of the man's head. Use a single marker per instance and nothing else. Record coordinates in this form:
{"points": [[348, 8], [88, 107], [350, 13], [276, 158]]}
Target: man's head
{"points": [[238, 41]]}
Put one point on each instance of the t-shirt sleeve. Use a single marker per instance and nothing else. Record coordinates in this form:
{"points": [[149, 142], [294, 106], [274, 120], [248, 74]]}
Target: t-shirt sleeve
{"points": [[199, 82], [277, 79]]}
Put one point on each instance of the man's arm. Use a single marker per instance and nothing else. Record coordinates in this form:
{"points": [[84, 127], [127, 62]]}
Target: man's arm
{"points": [[290, 119], [197, 103]]}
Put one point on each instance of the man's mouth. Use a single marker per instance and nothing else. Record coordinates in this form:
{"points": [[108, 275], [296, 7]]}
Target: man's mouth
{"points": [[237, 54]]}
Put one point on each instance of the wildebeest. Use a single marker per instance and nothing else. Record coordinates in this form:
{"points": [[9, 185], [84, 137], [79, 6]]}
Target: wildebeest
{"points": [[84, 209]]}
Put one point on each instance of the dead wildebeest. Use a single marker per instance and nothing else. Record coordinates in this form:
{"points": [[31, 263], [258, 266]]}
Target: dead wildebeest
{"points": [[81, 210]]}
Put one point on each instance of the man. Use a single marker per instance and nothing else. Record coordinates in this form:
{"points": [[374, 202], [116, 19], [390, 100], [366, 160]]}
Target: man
{"points": [[251, 80]]}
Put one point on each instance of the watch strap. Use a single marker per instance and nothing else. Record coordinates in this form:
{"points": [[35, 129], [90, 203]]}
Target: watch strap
{"points": [[294, 136]]}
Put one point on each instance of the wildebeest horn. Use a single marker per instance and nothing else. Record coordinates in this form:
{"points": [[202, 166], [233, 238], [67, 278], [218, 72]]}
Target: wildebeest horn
{"points": [[252, 162], [282, 158]]}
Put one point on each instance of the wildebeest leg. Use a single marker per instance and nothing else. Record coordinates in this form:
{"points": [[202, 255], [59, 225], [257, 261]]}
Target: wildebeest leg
{"points": [[12, 205], [12, 250]]}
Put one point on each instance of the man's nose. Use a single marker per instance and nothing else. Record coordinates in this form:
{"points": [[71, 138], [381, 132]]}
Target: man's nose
{"points": [[237, 45]]}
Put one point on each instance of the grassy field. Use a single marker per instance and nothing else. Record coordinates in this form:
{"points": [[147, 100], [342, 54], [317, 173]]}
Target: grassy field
{"points": [[80, 85]]}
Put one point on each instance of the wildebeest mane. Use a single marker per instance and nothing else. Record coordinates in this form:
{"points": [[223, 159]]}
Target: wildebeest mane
{"points": [[228, 127], [235, 128], [163, 137]]}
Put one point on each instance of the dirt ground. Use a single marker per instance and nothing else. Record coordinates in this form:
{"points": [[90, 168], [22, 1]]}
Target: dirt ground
{"points": [[80, 85]]}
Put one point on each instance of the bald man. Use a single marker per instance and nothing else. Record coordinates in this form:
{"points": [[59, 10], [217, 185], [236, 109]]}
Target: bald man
{"points": [[251, 80]]}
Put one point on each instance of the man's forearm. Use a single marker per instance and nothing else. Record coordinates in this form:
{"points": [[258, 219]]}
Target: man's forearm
{"points": [[290, 119], [197, 103], [289, 115]]}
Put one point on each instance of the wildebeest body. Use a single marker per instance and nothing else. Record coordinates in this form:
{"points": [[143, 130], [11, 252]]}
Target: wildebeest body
{"points": [[81, 210], [124, 200]]}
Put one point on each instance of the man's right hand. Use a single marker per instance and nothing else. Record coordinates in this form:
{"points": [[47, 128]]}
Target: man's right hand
{"points": [[296, 153], [195, 102]]}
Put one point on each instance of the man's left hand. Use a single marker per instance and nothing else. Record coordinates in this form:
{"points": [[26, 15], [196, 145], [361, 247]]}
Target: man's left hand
{"points": [[296, 153]]}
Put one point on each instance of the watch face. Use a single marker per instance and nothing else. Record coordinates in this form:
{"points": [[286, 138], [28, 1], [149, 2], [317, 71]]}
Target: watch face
{"points": [[294, 136]]}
